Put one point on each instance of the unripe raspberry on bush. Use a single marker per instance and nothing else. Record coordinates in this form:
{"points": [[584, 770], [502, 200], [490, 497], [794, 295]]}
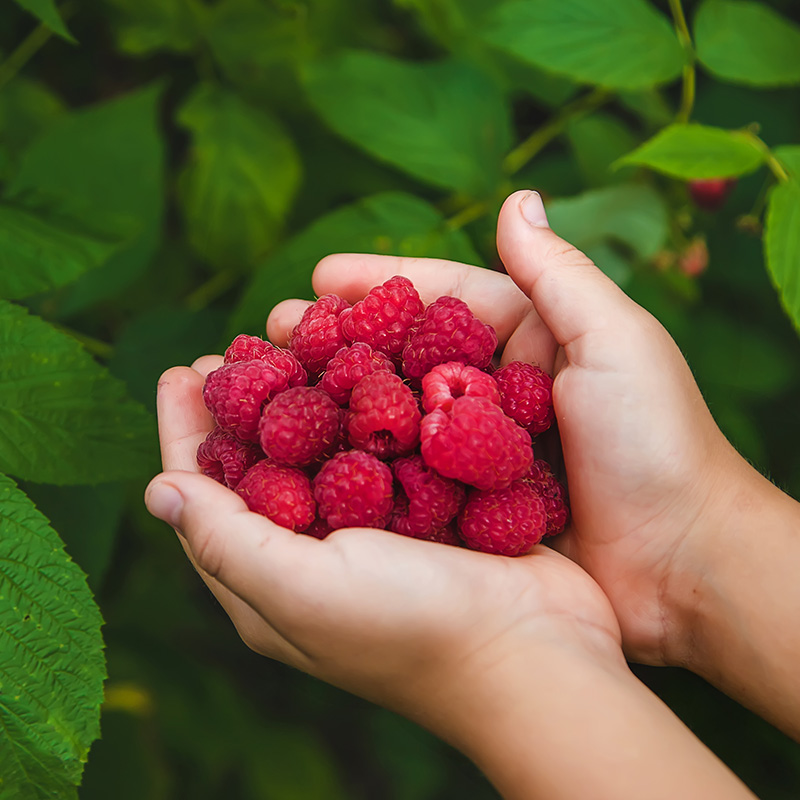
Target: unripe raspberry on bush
{"points": [[396, 409]]}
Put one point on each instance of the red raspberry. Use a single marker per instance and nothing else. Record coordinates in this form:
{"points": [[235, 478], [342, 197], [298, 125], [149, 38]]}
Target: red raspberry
{"points": [[448, 331], [384, 317], [236, 393], [384, 417], [541, 479], [710, 194], [226, 459], [427, 503], [354, 489], [506, 521], [253, 348], [349, 366], [281, 493], [526, 395], [447, 535], [444, 383], [317, 337], [475, 443], [319, 528], [299, 426]]}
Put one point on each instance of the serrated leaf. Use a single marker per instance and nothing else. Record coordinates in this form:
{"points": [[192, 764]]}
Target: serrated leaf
{"points": [[620, 44], [63, 418], [146, 26], [45, 11], [241, 177], [107, 158], [747, 42], [444, 122], [389, 223], [51, 657], [697, 151], [782, 245], [42, 249], [631, 214]]}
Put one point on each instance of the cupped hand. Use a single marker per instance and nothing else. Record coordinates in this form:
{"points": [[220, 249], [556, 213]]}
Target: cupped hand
{"points": [[644, 459], [410, 624]]}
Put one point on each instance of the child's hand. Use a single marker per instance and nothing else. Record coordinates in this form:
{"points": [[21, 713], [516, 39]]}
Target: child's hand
{"points": [[643, 455], [409, 624]]}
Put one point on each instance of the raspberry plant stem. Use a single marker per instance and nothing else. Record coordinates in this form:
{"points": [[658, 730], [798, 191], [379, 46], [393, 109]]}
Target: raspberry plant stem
{"points": [[689, 77], [29, 46]]}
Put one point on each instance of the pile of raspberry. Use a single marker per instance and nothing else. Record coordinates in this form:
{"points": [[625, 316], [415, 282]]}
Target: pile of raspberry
{"points": [[387, 414]]}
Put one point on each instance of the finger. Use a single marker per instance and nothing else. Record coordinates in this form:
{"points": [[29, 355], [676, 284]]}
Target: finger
{"points": [[571, 295], [492, 296], [283, 318], [206, 364], [258, 561], [183, 419]]}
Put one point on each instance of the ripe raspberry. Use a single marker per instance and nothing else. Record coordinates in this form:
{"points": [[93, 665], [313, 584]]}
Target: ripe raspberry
{"points": [[384, 317], [541, 479], [226, 459], [281, 493], [384, 417], [349, 366], [319, 528], [506, 521], [526, 395], [236, 393], [354, 489], [710, 194], [317, 337], [447, 535], [445, 382], [252, 348], [427, 502], [448, 331], [299, 426], [475, 443]]}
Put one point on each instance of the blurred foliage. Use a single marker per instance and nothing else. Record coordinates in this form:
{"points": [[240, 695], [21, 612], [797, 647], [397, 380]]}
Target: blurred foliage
{"points": [[170, 169]]}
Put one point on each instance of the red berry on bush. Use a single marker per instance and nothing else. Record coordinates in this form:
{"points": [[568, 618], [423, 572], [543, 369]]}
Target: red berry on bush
{"points": [[710, 194]]}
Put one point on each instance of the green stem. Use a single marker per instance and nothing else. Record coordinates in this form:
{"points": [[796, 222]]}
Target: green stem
{"points": [[94, 346], [29, 46], [542, 136], [689, 73], [775, 166], [206, 293]]}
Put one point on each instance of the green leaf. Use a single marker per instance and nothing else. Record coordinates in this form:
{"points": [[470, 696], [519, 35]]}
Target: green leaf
{"points": [[51, 656], [698, 151], [27, 108], [146, 26], [107, 159], [630, 214], [46, 12], [389, 223], [789, 156], [241, 178], [747, 42], [782, 245], [597, 142], [42, 249], [63, 418], [445, 122], [620, 44]]}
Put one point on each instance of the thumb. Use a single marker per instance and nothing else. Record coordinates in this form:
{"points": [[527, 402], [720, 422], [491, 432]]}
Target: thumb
{"points": [[570, 294]]}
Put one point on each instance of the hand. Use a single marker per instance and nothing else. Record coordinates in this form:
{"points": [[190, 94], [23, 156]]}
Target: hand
{"points": [[415, 626], [644, 459]]}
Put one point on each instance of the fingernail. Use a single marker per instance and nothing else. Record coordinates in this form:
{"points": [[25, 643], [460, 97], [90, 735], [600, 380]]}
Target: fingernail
{"points": [[532, 209], [165, 502]]}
